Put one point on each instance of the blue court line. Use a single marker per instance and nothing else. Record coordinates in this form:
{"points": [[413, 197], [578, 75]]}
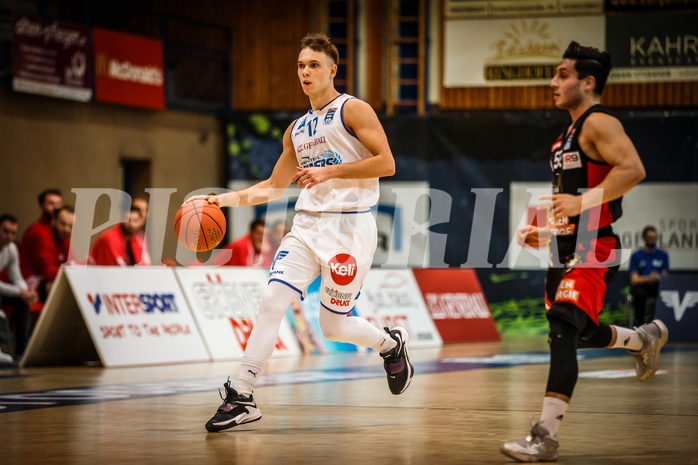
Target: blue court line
{"points": [[13, 402]]}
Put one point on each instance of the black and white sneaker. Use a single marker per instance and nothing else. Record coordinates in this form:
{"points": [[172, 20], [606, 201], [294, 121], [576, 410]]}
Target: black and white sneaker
{"points": [[397, 361], [235, 410]]}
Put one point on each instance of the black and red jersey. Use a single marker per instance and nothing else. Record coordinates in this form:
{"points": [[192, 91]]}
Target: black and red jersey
{"points": [[574, 173]]}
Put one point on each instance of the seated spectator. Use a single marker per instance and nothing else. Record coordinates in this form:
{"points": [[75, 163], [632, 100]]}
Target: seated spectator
{"points": [[50, 200], [41, 258], [249, 249], [647, 266], [141, 203], [15, 292], [275, 235], [119, 245]]}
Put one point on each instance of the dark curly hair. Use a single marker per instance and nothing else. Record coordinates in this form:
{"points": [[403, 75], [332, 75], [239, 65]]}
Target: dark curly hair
{"points": [[590, 61]]}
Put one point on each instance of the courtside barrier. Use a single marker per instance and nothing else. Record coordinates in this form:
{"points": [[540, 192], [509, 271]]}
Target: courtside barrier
{"points": [[225, 303], [117, 317], [392, 298], [457, 304], [677, 306]]}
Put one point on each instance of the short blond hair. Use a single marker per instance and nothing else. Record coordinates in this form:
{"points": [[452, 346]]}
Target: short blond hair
{"points": [[319, 42]]}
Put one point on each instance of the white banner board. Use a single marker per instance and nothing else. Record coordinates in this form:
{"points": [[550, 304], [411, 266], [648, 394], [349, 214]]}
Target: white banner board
{"points": [[513, 52], [225, 303], [136, 316], [671, 208], [392, 298]]}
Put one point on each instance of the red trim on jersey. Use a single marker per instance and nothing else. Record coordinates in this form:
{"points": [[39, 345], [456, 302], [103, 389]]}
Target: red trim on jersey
{"points": [[595, 174]]}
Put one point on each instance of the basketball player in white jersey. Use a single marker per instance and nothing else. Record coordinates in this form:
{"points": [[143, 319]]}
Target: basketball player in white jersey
{"points": [[336, 153]]}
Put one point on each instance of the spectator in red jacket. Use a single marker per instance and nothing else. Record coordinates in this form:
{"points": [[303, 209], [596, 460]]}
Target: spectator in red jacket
{"points": [[42, 256], [249, 250], [50, 200], [120, 245]]}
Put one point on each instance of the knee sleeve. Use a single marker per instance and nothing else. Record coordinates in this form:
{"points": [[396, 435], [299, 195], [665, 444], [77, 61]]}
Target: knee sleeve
{"points": [[563, 372], [351, 329], [275, 301], [597, 338]]}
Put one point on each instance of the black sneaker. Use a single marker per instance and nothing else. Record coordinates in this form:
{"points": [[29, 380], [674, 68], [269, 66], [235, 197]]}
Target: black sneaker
{"points": [[397, 361], [235, 410]]}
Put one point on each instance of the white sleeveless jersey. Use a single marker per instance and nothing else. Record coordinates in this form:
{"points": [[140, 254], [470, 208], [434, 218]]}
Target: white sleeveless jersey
{"points": [[321, 138]]}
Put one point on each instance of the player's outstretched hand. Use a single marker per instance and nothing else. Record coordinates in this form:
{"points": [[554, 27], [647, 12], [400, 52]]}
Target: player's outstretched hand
{"points": [[210, 198]]}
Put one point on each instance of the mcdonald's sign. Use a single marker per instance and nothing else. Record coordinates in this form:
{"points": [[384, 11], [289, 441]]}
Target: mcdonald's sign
{"points": [[128, 70]]}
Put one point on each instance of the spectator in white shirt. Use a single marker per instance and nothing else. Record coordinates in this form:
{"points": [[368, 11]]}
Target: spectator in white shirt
{"points": [[13, 289]]}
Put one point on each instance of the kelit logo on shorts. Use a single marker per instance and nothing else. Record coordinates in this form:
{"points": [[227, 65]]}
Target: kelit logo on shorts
{"points": [[342, 268]]}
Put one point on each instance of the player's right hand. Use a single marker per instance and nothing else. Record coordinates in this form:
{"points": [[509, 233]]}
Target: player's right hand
{"points": [[532, 236]]}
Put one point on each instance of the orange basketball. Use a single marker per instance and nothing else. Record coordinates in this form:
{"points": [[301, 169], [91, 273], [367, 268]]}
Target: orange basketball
{"points": [[199, 225]]}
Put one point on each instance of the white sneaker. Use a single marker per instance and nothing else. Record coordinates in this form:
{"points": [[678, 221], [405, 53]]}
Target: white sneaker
{"points": [[5, 358], [654, 334], [538, 446]]}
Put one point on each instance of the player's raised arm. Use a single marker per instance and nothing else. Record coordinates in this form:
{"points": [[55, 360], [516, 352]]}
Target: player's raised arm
{"points": [[268, 190]]}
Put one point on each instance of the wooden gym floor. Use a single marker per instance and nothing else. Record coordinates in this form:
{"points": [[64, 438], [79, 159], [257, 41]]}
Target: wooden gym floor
{"points": [[464, 401]]}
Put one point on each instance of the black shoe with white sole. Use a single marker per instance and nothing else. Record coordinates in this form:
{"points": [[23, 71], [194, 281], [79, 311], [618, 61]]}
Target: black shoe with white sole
{"points": [[397, 361], [235, 410]]}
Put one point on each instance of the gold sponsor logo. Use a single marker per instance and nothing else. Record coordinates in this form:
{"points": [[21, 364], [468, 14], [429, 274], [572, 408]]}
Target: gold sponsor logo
{"points": [[101, 68], [519, 72], [525, 51]]}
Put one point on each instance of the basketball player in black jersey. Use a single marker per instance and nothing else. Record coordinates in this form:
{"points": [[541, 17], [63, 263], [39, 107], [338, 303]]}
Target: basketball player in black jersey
{"points": [[593, 163]]}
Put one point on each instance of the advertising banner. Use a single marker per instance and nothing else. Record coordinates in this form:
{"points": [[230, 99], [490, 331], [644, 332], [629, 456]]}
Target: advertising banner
{"points": [[513, 52], [457, 304], [128, 70], [625, 6], [499, 8], [651, 47], [225, 303], [677, 306], [671, 208], [392, 298], [136, 316], [51, 58]]}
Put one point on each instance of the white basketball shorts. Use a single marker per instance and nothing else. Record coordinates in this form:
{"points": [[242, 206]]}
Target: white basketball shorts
{"points": [[339, 246]]}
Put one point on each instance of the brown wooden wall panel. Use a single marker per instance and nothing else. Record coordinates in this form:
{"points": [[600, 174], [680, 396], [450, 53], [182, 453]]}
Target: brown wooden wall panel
{"points": [[627, 96], [265, 49], [375, 51], [265, 35]]}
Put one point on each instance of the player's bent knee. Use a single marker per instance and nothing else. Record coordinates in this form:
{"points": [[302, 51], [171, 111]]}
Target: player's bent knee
{"points": [[563, 335]]}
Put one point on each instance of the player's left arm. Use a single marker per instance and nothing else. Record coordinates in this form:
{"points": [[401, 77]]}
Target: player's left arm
{"points": [[603, 139], [363, 122]]}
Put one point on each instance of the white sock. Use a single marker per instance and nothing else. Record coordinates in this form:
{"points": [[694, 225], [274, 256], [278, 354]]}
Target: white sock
{"points": [[265, 333], [553, 411], [627, 339], [386, 343], [354, 330], [250, 370]]}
